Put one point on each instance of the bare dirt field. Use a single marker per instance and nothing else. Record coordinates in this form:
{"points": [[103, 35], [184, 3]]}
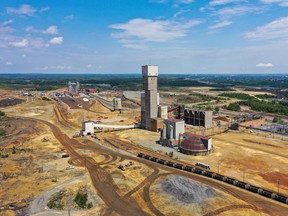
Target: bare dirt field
{"points": [[261, 160], [36, 171]]}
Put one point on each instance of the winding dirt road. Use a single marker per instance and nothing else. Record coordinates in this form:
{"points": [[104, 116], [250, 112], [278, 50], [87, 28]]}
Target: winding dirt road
{"points": [[127, 205]]}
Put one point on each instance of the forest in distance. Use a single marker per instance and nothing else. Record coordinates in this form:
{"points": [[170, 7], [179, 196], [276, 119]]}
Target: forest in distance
{"points": [[46, 82]]}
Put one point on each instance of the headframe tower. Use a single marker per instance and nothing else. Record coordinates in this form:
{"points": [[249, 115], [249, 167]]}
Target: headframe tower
{"points": [[149, 101]]}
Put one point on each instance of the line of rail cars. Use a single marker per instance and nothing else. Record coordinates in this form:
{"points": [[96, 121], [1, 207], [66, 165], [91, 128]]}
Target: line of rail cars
{"points": [[202, 171]]}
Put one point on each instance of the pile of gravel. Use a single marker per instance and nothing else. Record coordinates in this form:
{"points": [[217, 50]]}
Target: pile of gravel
{"points": [[186, 190]]}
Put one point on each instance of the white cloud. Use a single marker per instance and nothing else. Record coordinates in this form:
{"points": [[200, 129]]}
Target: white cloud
{"points": [[174, 1], [185, 1], [278, 29], [223, 2], [20, 44], [56, 40], [265, 65], [11, 41], [181, 12], [153, 30], [44, 9], [237, 11], [52, 30], [89, 66], [23, 10], [69, 17], [8, 22], [9, 63], [280, 2], [6, 30], [220, 24]]}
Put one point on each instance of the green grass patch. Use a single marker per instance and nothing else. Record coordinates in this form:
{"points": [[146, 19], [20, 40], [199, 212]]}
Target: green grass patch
{"points": [[265, 96], [241, 96], [263, 106]]}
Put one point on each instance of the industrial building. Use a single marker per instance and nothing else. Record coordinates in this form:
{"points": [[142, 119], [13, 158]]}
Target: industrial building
{"points": [[117, 105], [198, 117], [171, 132], [149, 100], [194, 144], [73, 88], [87, 128]]}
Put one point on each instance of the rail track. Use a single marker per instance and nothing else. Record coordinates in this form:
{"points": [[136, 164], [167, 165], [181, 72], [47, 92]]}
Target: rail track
{"points": [[243, 185]]}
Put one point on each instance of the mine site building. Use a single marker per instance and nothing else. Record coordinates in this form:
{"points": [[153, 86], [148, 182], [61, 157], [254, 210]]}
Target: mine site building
{"points": [[87, 128], [149, 99], [117, 105], [194, 144], [198, 117], [171, 132]]}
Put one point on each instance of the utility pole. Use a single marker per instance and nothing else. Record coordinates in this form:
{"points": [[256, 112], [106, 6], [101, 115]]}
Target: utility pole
{"points": [[278, 183], [218, 165], [243, 174]]}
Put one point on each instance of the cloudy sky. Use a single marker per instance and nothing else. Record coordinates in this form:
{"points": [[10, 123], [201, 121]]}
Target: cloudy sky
{"points": [[118, 36]]}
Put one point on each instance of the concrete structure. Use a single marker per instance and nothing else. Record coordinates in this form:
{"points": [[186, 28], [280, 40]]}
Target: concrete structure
{"points": [[163, 112], [198, 117], [73, 90], [87, 128], [117, 103], [149, 101], [156, 124], [194, 144], [171, 131]]}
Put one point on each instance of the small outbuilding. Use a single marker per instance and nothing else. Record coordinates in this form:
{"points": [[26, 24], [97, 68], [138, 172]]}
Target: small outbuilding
{"points": [[87, 128]]}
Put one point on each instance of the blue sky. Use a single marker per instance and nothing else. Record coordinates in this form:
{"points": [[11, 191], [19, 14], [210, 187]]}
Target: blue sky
{"points": [[118, 36]]}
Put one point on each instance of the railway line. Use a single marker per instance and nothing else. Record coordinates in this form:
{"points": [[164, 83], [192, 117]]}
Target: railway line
{"points": [[252, 188], [108, 191]]}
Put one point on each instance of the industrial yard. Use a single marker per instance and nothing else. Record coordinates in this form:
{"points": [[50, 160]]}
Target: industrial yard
{"points": [[77, 143]]}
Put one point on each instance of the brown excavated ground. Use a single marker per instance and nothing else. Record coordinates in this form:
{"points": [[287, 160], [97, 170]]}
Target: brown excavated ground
{"points": [[134, 191]]}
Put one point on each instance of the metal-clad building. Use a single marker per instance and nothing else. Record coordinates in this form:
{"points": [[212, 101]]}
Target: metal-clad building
{"points": [[198, 117]]}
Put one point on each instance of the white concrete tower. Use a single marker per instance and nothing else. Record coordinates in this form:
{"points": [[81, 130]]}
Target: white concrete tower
{"points": [[149, 101]]}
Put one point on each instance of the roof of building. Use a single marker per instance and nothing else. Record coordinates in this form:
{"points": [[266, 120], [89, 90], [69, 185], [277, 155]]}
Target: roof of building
{"points": [[174, 120], [188, 134], [194, 142]]}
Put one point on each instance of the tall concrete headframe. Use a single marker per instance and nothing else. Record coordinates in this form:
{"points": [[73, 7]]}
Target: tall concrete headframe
{"points": [[149, 100]]}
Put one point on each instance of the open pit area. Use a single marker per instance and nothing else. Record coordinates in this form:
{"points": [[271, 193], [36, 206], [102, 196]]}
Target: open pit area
{"points": [[36, 174]]}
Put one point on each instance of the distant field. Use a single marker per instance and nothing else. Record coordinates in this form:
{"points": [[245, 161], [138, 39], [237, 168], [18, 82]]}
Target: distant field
{"points": [[134, 81]]}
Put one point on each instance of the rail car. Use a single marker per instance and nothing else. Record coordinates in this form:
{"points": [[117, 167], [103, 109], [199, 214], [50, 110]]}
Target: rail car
{"points": [[154, 159], [161, 161], [188, 168], [229, 180], [210, 174], [140, 155], [147, 157], [266, 193], [198, 171], [281, 198], [219, 177], [169, 163], [207, 173], [240, 184], [253, 188], [178, 166]]}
